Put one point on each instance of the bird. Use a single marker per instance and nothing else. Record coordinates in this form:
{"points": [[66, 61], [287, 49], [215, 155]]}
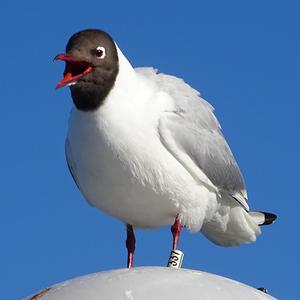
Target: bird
{"points": [[146, 148]]}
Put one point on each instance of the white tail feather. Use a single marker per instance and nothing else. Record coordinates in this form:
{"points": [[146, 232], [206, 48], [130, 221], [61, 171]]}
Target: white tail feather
{"points": [[232, 229]]}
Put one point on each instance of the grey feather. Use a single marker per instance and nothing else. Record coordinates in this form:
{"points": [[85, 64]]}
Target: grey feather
{"points": [[194, 129]]}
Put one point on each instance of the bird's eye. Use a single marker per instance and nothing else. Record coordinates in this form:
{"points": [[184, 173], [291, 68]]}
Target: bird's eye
{"points": [[100, 52]]}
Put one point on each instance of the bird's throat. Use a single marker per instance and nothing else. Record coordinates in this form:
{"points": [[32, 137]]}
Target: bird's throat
{"points": [[90, 93]]}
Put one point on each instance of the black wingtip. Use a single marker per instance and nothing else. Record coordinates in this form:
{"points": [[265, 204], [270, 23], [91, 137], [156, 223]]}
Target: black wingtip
{"points": [[264, 290], [269, 218]]}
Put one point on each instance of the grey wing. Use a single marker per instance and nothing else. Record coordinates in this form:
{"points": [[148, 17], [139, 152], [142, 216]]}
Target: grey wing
{"points": [[193, 135]]}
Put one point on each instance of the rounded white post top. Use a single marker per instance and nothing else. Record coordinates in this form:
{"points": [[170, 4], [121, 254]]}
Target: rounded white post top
{"points": [[149, 283]]}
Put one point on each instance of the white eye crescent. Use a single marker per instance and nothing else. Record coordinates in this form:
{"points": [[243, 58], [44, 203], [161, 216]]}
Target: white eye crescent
{"points": [[100, 52]]}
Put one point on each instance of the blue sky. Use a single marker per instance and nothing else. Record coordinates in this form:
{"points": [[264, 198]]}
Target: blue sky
{"points": [[242, 56]]}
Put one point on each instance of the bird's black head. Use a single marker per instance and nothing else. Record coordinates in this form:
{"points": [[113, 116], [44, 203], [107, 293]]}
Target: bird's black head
{"points": [[92, 66]]}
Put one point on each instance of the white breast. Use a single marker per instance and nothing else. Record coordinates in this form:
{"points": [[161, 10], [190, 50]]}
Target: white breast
{"points": [[113, 177]]}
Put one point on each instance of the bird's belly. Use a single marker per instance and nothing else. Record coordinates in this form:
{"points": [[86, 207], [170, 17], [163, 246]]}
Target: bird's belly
{"points": [[111, 187]]}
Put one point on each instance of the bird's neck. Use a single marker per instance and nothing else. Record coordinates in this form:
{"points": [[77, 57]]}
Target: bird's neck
{"points": [[126, 75], [90, 95]]}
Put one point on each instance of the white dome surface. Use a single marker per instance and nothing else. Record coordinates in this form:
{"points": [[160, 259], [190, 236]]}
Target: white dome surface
{"points": [[151, 283]]}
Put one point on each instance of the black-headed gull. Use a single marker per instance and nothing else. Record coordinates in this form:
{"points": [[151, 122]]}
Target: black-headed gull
{"points": [[147, 149]]}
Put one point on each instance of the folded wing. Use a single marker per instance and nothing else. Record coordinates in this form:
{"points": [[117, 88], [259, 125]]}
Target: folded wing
{"points": [[192, 134]]}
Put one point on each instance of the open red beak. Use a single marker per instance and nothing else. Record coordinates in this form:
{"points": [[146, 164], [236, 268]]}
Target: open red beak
{"points": [[75, 69]]}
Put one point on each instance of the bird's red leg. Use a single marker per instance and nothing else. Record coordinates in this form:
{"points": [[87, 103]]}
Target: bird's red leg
{"points": [[175, 229], [130, 245]]}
